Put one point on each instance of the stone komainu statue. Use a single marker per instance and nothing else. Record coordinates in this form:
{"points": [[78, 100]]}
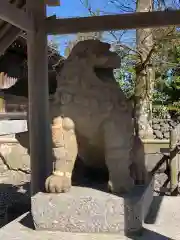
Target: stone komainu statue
{"points": [[92, 118]]}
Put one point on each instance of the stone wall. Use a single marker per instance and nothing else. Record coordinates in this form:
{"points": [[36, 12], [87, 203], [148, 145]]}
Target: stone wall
{"points": [[161, 127]]}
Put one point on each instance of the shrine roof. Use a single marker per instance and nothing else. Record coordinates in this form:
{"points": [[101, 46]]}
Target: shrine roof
{"points": [[7, 28], [13, 52]]}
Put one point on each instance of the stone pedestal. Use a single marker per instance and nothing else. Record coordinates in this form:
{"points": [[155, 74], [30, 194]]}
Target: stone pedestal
{"points": [[92, 211], [12, 126]]}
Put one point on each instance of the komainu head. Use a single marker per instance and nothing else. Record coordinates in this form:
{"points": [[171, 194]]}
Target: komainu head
{"points": [[95, 53]]}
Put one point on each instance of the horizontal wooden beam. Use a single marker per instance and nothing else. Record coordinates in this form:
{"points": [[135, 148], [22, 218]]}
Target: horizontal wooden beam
{"points": [[52, 3], [112, 22], [17, 17]]}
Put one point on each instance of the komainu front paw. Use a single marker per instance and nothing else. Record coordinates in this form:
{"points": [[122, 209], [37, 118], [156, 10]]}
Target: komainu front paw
{"points": [[58, 182]]}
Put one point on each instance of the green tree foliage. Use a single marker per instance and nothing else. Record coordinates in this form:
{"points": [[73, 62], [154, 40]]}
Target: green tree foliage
{"points": [[168, 83], [168, 79], [126, 74], [164, 54], [166, 61]]}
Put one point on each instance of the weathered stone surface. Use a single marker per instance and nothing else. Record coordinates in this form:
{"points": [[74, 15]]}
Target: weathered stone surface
{"points": [[165, 227], [89, 210], [165, 125], [166, 135], [18, 158], [171, 123], [161, 127], [155, 121], [65, 153], [158, 134], [88, 94], [12, 126], [156, 127]]}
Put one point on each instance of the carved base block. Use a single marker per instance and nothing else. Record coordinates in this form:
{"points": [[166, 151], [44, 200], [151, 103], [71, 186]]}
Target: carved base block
{"points": [[92, 211], [12, 126]]}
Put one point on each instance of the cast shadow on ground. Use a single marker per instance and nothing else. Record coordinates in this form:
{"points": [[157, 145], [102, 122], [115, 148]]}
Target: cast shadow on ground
{"points": [[154, 209], [150, 235], [13, 201]]}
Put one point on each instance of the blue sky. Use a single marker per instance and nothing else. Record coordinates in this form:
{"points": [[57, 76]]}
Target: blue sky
{"points": [[74, 8], [68, 8]]}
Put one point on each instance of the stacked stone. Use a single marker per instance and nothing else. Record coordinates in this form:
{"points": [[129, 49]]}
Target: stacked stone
{"points": [[161, 127]]}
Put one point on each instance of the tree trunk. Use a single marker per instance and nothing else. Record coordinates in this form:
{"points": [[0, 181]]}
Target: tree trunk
{"points": [[144, 77]]}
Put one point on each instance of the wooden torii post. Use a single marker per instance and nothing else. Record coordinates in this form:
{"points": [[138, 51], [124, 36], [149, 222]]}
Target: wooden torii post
{"points": [[37, 25], [40, 144]]}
